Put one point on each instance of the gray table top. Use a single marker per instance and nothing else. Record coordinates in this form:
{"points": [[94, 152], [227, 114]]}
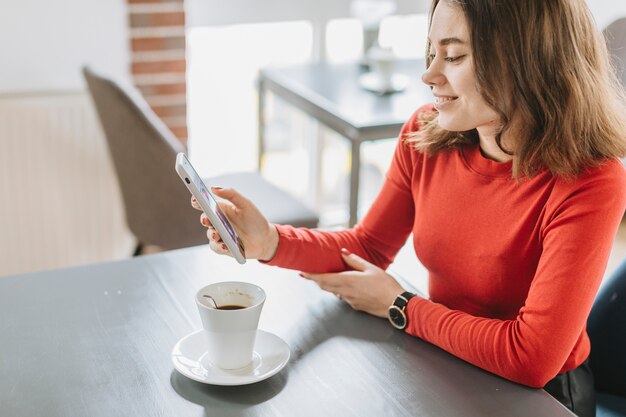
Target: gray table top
{"points": [[96, 341], [331, 93]]}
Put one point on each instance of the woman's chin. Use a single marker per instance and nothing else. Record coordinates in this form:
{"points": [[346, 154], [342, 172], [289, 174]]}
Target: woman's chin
{"points": [[457, 122], [452, 125]]}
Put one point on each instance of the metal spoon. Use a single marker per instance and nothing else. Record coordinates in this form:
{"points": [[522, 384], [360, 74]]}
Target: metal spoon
{"points": [[212, 300]]}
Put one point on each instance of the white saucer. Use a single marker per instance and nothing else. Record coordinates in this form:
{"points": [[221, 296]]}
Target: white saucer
{"points": [[371, 82], [271, 354]]}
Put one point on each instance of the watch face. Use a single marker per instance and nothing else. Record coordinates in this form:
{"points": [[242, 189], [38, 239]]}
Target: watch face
{"points": [[397, 317]]}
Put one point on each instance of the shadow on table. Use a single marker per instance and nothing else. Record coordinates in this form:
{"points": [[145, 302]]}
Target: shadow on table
{"points": [[324, 318], [228, 400], [329, 318]]}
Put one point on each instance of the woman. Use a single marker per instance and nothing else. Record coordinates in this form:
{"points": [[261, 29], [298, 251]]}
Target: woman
{"points": [[510, 185]]}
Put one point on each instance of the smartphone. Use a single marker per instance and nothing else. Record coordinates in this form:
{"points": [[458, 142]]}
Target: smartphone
{"points": [[209, 205]]}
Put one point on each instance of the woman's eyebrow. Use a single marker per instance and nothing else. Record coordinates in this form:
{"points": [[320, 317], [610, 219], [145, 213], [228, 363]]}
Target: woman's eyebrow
{"points": [[449, 41]]}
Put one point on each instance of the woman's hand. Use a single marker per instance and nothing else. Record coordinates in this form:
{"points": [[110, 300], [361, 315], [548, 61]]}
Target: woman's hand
{"points": [[259, 237], [367, 288]]}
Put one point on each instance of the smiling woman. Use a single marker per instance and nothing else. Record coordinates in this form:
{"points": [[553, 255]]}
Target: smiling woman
{"points": [[452, 78], [537, 75], [511, 186]]}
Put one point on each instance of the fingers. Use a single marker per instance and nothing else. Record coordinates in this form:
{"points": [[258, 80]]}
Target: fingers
{"points": [[231, 195], [203, 218], [340, 285], [355, 261], [205, 221], [213, 236], [194, 203], [230, 210], [215, 240], [219, 248], [216, 243], [335, 283]]}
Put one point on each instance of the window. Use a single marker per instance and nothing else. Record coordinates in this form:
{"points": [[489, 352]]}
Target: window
{"points": [[223, 63]]}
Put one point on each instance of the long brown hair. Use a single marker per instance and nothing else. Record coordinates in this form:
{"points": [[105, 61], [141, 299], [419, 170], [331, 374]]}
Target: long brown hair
{"points": [[547, 63]]}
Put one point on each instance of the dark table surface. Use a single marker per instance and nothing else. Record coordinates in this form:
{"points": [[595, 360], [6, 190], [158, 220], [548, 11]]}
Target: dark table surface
{"points": [[331, 93], [96, 341]]}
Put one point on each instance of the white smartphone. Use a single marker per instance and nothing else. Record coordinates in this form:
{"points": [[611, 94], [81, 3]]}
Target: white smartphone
{"points": [[209, 205]]}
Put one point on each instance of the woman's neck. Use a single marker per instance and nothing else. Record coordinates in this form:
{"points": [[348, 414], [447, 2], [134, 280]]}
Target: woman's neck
{"points": [[489, 147]]}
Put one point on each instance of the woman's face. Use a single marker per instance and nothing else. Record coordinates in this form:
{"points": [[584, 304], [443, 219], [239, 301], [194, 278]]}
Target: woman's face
{"points": [[451, 74]]}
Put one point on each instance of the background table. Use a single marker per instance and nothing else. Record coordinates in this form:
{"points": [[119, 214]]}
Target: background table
{"points": [[331, 94], [96, 341]]}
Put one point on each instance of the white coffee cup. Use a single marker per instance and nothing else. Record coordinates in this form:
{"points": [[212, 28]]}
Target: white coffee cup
{"points": [[383, 63], [230, 334]]}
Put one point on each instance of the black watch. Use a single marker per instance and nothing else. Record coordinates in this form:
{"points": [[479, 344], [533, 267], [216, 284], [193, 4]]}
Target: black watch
{"points": [[396, 314]]}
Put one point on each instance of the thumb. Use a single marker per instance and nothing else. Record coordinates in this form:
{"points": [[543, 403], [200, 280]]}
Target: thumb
{"points": [[231, 195], [354, 261]]}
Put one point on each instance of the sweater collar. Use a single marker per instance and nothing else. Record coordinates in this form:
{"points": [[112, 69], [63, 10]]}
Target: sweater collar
{"points": [[481, 165]]}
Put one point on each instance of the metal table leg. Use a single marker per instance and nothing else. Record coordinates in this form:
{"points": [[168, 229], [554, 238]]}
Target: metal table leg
{"points": [[355, 169], [261, 122]]}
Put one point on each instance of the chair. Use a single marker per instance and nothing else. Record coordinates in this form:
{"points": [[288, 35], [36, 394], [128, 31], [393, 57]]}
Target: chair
{"points": [[157, 203], [607, 331], [615, 36]]}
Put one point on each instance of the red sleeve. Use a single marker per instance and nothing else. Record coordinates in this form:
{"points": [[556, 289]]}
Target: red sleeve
{"points": [[532, 348], [377, 238]]}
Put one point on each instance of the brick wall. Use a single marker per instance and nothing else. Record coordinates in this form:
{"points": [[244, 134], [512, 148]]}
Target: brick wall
{"points": [[158, 65]]}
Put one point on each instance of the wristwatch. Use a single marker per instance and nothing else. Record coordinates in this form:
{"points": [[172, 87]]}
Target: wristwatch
{"points": [[396, 314]]}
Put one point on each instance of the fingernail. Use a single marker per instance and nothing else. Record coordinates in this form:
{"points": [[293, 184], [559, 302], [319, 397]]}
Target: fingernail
{"points": [[301, 274], [346, 251], [223, 246], [216, 188]]}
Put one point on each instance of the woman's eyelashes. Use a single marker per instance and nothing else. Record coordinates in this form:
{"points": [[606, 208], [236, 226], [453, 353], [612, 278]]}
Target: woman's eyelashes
{"points": [[431, 58], [453, 58]]}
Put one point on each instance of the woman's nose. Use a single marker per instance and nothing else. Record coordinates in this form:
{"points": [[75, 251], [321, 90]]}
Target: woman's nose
{"points": [[431, 77]]}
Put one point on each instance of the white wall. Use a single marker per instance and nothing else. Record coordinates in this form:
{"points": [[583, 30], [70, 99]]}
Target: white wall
{"points": [[220, 12], [223, 12], [606, 11], [43, 43], [60, 200]]}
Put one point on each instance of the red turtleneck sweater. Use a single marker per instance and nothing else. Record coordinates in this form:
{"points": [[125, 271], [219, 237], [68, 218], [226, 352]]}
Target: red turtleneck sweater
{"points": [[513, 266]]}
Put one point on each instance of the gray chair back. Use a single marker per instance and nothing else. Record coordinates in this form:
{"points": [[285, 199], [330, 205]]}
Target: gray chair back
{"points": [[144, 152]]}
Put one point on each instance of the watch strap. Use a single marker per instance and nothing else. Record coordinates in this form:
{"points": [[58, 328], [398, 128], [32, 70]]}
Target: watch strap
{"points": [[403, 299]]}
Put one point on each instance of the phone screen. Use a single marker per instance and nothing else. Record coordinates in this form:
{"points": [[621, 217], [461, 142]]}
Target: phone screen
{"points": [[212, 203]]}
